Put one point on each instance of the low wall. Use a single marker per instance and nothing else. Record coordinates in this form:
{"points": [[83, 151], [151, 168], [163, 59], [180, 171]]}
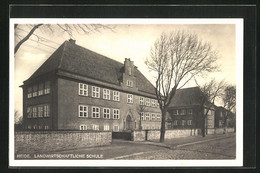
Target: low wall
{"points": [[141, 135], [220, 131], [44, 141]]}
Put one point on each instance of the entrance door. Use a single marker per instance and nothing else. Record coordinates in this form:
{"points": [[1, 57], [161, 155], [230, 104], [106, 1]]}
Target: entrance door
{"points": [[128, 122]]}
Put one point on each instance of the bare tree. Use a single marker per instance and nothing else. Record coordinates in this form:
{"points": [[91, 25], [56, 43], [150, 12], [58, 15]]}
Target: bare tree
{"points": [[229, 100], [18, 120], [176, 58], [210, 91], [69, 29], [141, 109]]}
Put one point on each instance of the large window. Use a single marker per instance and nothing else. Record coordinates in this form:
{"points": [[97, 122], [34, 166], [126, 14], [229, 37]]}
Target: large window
{"points": [[106, 127], [40, 111], [35, 89], [153, 116], [141, 100], [147, 116], [147, 102], [83, 111], [142, 116], [175, 122], [189, 122], [115, 128], [29, 112], [116, 95], [153, 103], [83, 89], [158, 117], [95, 112], [106, 94], [34, 111], [40, 91], [95, 92], [29, 92], [83, 127], [47, 88], [46, 111], [129, 83], [129, 98], [116, 114], [189, 111], [95, 127], [106, 112]]}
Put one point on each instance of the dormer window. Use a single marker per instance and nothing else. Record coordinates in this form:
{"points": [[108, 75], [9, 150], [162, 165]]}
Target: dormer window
{"points": [[129, 83]]}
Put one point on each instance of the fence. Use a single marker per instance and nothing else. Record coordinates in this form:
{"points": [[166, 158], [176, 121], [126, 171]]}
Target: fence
{"points": [[44, 141]]}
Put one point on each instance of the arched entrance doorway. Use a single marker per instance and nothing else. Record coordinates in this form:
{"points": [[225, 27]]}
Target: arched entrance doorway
{"points": [[128, 125]]}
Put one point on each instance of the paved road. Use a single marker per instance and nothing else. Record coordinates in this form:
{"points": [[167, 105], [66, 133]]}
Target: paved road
{"points": [[224, 148], [221, 148]]}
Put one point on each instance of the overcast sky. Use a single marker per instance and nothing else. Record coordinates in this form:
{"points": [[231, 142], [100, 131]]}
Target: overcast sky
{"points": [[127, 41]]}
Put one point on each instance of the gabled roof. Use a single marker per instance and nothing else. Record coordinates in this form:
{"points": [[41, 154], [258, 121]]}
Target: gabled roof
{"points": [[186, 97], [81, 61]]}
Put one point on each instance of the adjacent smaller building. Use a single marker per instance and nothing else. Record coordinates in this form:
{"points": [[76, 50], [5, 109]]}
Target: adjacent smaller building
{"points": [[186, 110]]}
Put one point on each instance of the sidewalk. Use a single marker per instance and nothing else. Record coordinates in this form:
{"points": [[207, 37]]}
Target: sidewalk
{"points": [[184, 141]]}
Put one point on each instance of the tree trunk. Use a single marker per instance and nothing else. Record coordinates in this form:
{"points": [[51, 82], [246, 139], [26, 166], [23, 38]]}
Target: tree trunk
{"points": [[203, 126], [163, 126]]}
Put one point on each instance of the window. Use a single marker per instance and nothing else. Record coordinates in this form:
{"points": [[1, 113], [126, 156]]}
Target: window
{"points": [[46, 110], [221, 114], [95, 112], [182, 112], [34, 112], [29, 127], [95, 127], [47, 87], [141, 101], [153, 103], [35, 127], [116, 114], [147, 102], [106, 127], [183, 122], [106, 112], [142, 116], [106, 94], [35, 88], [40, 127], [116, 95], [40, 91], [46, 127], [83, 89], [129, 98], [153, 116], [158, 117], [29, 91], [95, 92], [220, 123], [175, 122], [83, 127], [29, 112], [40, 111], [189, 122], [189, 111], [178, 112], [147, 116], [115, 128], [83, 111], [129, 83]]}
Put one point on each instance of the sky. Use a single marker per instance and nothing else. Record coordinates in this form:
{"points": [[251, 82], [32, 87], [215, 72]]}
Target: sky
{"points": [[126, 41]]}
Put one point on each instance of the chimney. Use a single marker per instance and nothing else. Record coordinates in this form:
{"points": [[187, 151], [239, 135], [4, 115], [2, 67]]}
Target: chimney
{"points": [[129, 67], [72, 41]]}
